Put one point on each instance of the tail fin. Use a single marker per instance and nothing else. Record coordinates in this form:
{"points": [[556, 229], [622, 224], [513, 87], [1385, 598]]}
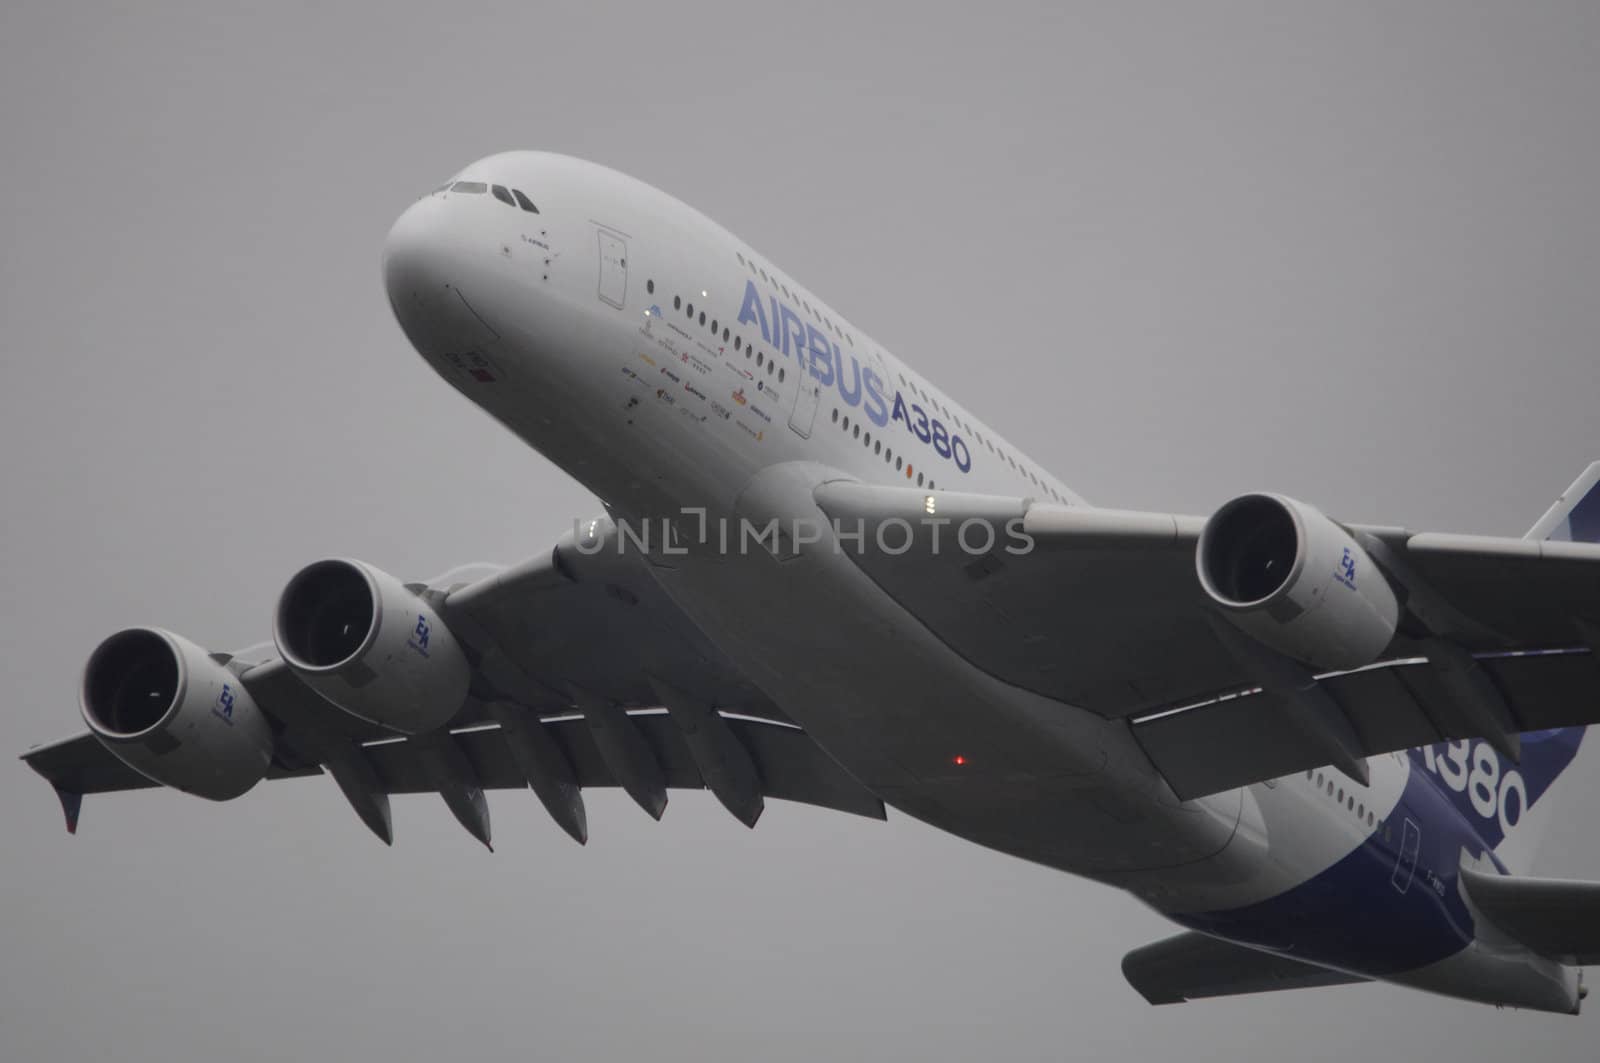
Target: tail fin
{"points": [[1575, 518], [1551, 759]]}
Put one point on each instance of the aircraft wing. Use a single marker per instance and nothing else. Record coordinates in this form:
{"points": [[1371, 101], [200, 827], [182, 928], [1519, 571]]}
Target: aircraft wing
{"points": [[1103, 610], [1557, 918], [1192, 966], [571, 687]]}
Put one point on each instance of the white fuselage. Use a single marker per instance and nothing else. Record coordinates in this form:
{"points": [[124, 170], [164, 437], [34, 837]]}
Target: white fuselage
{"points": [[669, 367]]}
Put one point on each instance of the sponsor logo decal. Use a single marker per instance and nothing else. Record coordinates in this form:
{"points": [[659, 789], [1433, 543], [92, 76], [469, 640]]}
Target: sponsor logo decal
{"points": [[696, 392], [1347, 570], [753, 433], [720, 410], [741, 370], [759, 412], [661, 394], [223, 708], [646, 359], [419, 636], [738, 396], [670, 375]]}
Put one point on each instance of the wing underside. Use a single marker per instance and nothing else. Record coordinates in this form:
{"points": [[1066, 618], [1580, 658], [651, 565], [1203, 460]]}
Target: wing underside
{"points": [[1102, 610], [1192, 966], [577, 682], [790, 765]]}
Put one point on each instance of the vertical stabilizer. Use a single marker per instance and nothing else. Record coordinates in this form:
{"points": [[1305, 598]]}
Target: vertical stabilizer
{"points": [[1552, 760]]}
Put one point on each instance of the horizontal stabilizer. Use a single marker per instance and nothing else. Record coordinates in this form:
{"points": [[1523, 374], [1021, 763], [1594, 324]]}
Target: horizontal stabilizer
{"points": [[1193, 966], [1556, 918]]}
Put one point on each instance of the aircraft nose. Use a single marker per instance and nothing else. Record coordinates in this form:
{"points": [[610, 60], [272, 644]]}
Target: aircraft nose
{"points": [[425, 266]]}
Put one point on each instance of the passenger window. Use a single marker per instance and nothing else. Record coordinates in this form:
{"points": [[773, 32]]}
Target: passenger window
{"points": [[919, 479], [524, 202], [677, 302], [650, 286], [760, 357], [691, 311], [503, 195], [473, 188], [780, 376], [725, 334]]}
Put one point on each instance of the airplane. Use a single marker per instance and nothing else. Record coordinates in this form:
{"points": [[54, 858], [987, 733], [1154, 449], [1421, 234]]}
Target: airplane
{"points": [[1327, 751]]}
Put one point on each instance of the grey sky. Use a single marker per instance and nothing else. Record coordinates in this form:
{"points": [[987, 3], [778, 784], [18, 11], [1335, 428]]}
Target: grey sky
{"points": [[1347, 251]]}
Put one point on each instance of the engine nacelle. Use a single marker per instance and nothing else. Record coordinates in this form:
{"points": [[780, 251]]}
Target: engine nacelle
{"points": [[172, 714], [361, 639], [1294, 580]]}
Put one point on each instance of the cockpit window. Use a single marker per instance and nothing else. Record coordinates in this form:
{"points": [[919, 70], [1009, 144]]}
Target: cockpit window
{"points": [[502, 195], [524, 202], [473, 187]]}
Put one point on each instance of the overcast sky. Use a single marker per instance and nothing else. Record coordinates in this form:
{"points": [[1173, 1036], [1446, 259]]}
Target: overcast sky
{"points": [[1348, 251]]}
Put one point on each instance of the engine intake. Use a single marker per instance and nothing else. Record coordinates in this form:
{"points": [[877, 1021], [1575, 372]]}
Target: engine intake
{"points": [[1296, 581], [163, 707], [372, 646]]}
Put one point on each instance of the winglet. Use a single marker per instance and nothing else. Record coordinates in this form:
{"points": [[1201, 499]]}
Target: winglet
{"points": [[70, 804], [1575, 517]]}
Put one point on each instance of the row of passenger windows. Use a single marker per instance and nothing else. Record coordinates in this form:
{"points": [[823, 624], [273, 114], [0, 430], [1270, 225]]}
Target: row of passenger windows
{"points": [[818, 316], [770, 364], [1324, 782], [511, 197], [999, 452], [717, 329], [877, 447]]}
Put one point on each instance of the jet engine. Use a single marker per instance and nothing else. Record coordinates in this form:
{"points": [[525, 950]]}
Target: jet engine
{"points": [[372, 646], [1294, 580], [168, 711]]}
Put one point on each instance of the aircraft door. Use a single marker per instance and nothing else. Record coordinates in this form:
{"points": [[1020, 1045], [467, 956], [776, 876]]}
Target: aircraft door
{"points": [[1406, 866], [613, 269], [807, 394]]}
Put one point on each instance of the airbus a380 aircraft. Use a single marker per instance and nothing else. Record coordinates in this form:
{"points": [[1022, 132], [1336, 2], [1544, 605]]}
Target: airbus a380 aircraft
{"points": [[1324, 749]]}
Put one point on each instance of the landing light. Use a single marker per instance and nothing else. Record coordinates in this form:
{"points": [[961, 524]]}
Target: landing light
{"points": [[705, 294], [927, 504]]}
